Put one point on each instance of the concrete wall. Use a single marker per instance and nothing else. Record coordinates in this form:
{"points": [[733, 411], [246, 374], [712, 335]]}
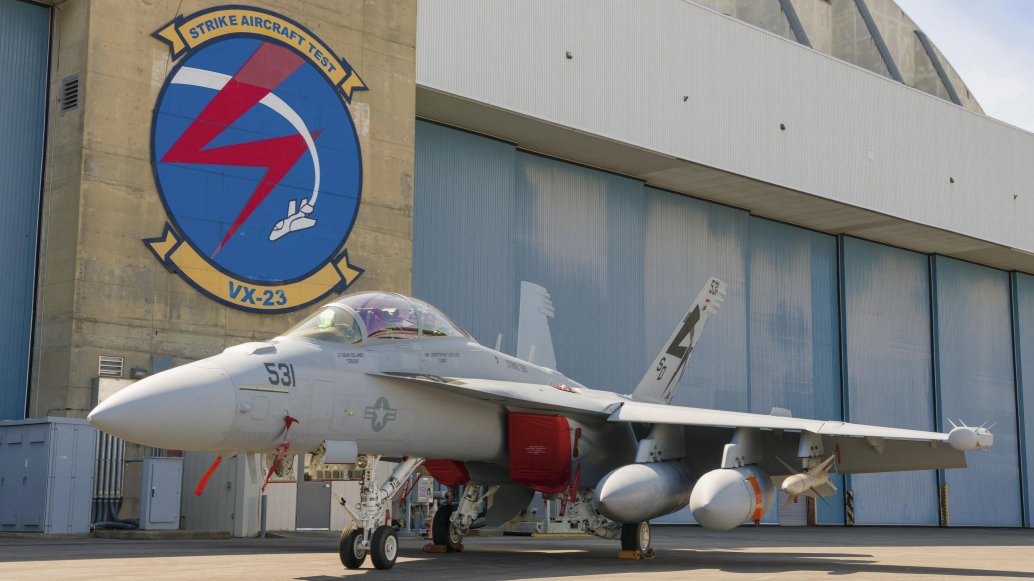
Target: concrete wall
{"points": [[101, 292]]}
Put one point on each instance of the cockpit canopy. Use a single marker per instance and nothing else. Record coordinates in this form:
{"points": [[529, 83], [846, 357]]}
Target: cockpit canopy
{"points": [[373, 315]]}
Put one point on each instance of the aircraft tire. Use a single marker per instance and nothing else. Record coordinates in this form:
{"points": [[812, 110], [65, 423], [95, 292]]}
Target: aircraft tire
{"points": [[442, 531], [384, 547], [352, 557], [636, 537]]}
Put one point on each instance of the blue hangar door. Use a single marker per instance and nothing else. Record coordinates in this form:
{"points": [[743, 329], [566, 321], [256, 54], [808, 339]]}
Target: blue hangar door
{"points": [[24, 49]]}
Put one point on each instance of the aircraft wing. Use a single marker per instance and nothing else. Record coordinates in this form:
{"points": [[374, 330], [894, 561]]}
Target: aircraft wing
{"points": [[687, 416], [859, 448], [531, 396]]}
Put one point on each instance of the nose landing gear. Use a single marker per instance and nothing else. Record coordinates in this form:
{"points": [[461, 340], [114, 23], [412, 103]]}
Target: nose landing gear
{"points": [[368, 534]]}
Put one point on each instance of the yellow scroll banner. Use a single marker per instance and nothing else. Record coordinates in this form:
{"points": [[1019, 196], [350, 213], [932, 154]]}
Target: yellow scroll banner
{"points": [[182, 258], [195, 30]]}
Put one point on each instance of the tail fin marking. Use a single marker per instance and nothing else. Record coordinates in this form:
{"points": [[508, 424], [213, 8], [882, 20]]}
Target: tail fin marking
{"points": [[662, 377]]}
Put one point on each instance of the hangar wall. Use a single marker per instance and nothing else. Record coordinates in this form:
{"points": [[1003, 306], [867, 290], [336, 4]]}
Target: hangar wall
{"points": [[24, 52], [828, 328], [975, 379], [718, 92], [794, 332], [1023, 332], [888, 377]]}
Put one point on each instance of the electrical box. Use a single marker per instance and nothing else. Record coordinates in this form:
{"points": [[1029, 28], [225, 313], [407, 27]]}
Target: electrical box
{"points": [[160, 486], [46, 475]]}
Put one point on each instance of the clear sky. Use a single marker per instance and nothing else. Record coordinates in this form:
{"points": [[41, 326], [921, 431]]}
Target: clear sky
{"points": [[991, 45]]}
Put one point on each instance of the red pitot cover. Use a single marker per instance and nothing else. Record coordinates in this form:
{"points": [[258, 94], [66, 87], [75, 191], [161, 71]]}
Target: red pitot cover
{"points": [[540, 451], [448, 472]]}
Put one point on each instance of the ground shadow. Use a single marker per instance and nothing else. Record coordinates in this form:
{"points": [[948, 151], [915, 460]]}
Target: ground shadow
{"points": [[505, 565]]}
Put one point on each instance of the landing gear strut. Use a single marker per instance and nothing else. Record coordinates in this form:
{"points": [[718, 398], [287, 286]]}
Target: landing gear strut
{"points": [[453, 521], [368, 533]]}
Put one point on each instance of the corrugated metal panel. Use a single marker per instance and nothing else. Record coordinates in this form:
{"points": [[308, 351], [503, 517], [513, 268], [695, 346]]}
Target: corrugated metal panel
{"points": [[1023, 313], [795, 329], [889, 373], [975, 382], [213, 510], [463, 231], [851, 135], [580, 235], [687, 241], [24, 49]]}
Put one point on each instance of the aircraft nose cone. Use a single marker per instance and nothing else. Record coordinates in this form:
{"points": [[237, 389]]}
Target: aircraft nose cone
{"points": [[187, 408]]}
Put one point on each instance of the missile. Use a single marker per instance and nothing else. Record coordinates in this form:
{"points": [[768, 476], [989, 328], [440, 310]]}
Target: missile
{"points": [[636, 493], [810, 481], [965, 438]]}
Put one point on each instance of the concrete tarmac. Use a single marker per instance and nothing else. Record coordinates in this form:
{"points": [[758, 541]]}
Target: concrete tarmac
{"points": [[682, 552]]}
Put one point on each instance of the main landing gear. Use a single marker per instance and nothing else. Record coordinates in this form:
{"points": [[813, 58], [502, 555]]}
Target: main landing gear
{"points": [[453, 521], [635, 538], [443, 532], [368, 534]]}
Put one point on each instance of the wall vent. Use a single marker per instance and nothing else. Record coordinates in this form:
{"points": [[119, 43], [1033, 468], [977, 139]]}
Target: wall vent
{"points": [[69, 93], [110, 366]]}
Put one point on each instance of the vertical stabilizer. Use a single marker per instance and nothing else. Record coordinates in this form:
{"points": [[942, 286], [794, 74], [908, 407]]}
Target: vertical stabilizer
{"points": [[662, 377], [534, 343]]}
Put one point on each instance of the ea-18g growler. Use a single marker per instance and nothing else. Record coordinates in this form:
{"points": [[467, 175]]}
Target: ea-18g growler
{"points": [[382, 376]]}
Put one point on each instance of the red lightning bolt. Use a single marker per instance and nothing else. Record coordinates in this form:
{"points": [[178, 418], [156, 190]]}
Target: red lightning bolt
{"points": [[262, 73]]}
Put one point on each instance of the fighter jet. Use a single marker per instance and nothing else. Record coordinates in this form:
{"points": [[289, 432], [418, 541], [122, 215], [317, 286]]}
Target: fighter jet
{"points": [[376, 376]]}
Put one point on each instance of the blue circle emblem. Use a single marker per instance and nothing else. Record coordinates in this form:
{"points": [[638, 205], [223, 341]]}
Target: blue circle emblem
{"points": [[257, 160]]}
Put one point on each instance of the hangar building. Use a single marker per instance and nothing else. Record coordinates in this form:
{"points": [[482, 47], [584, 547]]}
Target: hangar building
{"points": [[821, 156]]}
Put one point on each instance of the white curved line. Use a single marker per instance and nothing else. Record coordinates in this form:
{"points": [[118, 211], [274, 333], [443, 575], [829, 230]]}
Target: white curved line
{"points": [[216, 81]]}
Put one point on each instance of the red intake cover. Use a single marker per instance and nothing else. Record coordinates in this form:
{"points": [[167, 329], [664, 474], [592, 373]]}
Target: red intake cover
{"points": [[448, 472], [540, 451]]}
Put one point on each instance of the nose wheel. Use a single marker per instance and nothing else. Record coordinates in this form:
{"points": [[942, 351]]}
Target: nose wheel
{"points": [[384, 547], [351, 550]]}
